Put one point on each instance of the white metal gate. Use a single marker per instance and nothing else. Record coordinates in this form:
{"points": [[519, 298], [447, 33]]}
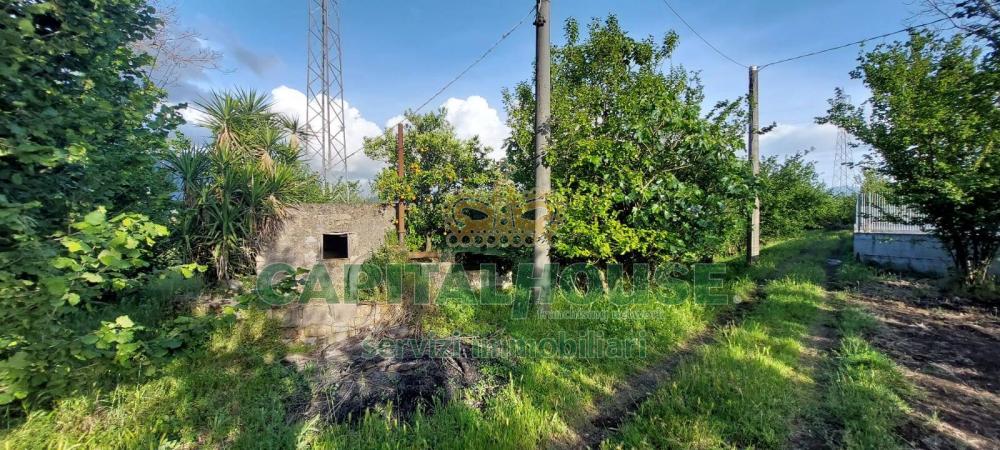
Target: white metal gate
{"points": [[874, 214]]}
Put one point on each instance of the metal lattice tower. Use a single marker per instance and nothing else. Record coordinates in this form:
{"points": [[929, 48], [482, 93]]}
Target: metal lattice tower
{"points": [[325, 88], [843, 158]]}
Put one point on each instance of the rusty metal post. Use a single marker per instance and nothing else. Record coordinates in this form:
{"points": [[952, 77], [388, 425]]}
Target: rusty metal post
{"points": [[400, 205]]}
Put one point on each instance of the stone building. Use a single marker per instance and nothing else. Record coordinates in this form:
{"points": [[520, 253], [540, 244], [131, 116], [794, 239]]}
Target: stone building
{"points": [[335, 235]]}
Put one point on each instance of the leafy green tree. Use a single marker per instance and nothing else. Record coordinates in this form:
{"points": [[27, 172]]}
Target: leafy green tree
{"points": [[438, 166], [978, 19], [80, 125], [793, 199], [934, 122], [237, 188], [80, 130], [638, 171]]}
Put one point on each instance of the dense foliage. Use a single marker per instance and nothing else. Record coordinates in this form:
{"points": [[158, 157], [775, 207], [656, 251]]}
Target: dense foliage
{"points": [[792, 199], [236, 189], [80, 128], [438, 167], [935, 131], [638, 170]]}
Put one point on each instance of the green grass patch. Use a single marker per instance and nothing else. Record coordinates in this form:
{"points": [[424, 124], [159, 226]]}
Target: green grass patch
{"points": [[231, 393], [234, 393], [854, 273], [741, 391], [866, 396], [866, 392]]}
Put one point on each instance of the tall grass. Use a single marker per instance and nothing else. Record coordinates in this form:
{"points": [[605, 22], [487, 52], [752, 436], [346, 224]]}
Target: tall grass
{"points": [[234, 392]]}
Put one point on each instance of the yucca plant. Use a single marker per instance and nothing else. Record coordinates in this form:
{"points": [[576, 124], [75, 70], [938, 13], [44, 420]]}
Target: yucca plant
{"points": [[238, 187]]}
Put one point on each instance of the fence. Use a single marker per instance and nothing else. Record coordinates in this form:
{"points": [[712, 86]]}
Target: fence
{"points": [[874, 214]]}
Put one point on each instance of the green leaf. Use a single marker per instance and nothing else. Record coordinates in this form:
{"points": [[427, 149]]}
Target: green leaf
{"points": [[96, 217], [19, 361], [63, 262], [73, 245], [55, 285], [72, 298], [124, 322], [92, 277], [110, 257], [26, 26]]}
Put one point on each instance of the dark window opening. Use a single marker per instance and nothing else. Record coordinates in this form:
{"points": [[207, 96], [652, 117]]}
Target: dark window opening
{"points": [[334, 246]]}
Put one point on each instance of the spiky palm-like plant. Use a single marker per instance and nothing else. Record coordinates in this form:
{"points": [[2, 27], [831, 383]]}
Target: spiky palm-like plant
{"points": [[238, 187]]}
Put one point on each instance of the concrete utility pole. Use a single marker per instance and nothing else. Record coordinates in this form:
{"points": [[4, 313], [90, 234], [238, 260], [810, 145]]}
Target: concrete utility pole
{"points": [[400, 206], [753, 154], [543, 184]]}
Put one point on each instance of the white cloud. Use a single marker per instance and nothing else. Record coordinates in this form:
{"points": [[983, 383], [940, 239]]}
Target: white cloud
{"points": [[193, 115], [787, 139], [292, 102], [394, 120], [473, 116]]}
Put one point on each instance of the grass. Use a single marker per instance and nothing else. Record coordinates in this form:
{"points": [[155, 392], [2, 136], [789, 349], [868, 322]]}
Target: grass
{"points": [[229, 394], [745, 389], [742, 390], [852, 273], [865, 398]]}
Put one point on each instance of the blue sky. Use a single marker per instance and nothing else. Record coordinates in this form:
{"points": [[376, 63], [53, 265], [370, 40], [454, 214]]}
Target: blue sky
{"points": [[398, 53]]}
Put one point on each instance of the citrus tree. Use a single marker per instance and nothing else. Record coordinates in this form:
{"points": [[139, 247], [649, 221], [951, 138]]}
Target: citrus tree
{"points": [[438, 167], [639, 170]]}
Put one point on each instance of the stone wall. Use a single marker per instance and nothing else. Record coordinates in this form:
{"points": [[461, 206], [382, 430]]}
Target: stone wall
{"points": [[300, 244]]}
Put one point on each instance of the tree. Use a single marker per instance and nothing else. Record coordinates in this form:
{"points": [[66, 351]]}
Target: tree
{"points": [[638, 171], [174, 49], [80, 130], [237, 188], [935, 124], [439, 166], [80, 124], [978, 19], [792, 199]]}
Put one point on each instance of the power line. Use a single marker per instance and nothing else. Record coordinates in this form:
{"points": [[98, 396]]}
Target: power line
{"points": [[696, 33], [853, 43], [463, 72], [478, 60]]}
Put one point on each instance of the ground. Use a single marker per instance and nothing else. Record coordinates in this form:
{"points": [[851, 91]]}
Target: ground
{"points": [[818, 352], [949, 348]]}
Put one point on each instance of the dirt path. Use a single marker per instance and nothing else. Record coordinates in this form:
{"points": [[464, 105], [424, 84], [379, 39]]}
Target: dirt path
{"points": [[823, 339], [950, 349], [818, 347], [613, 410]]}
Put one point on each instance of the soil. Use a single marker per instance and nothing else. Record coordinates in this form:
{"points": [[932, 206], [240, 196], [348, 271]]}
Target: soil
{"points": [[949, 347]]}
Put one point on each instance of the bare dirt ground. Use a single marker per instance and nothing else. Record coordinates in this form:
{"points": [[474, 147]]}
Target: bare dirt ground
{"points": [[950, 348]]}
